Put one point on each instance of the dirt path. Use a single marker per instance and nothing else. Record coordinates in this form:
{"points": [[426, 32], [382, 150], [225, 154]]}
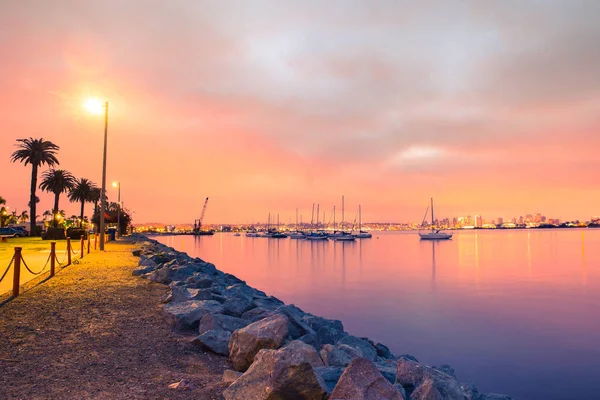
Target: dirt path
{"points": [[95, 331]]}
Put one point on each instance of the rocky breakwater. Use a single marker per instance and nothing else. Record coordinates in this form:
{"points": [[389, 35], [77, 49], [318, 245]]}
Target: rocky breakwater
{"points": [[279, 351]]}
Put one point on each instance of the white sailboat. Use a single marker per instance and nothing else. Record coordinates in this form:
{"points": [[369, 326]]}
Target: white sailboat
{"points": [[297, 234], [434, 234], [342, 235], [361, 234]]}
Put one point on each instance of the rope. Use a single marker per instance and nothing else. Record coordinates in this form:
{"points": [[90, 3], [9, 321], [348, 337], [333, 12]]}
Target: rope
{"points": [[64, 258], [35, 273], [7, 268]]}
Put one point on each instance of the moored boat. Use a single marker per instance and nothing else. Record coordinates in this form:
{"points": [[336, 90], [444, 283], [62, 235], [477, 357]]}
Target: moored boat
{"points": [[434, 234]]}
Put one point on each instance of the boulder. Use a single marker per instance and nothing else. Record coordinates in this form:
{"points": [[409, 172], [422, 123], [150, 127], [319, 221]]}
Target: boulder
{"points": [[230, 376], [387, 368], [256, 314], [160, 275], [239, 290], [427, 382], [305, 351], [147, 262], [330, 375], [383, 351], [268, 333], [408, 357], [339, 355], [187, 314], [362, 381], [215, 340], [296, 327], [316, 322], [278, 374], [237, 306], [220, 321], [181, 293], [310, 339], [203, 283], [268, 303], [364, 347], [328, 335], [137, 253], [448, 370]]}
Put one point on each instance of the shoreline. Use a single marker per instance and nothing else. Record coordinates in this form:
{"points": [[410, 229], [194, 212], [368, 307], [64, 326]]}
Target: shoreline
{"points": [[261, 334]]}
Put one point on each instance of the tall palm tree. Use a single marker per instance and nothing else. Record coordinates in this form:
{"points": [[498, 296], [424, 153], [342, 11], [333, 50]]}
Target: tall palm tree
{"points": [[2, 200], [83, 191], [57, 181], [36, 152]]}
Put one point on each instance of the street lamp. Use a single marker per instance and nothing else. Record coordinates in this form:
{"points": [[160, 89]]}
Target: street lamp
{"points": [[95, 106], [117, 184]]}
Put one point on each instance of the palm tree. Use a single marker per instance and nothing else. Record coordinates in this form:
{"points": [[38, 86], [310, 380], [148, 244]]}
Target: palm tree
{"points": [[83, 191], [36, 152], [23, 217], [2, 200], [95, 197], [57, 181]]}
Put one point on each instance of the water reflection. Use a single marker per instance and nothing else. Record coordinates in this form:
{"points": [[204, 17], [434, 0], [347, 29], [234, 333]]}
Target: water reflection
{"points": [[501, 307]]}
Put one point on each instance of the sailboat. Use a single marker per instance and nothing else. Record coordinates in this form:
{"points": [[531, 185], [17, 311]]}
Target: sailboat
{"points": [[341, 235], [434, 234], [361, 234], [315, 235], [297, 234]]}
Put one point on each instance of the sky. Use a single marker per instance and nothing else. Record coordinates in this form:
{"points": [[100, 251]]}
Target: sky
{"points": [[490, 107]]}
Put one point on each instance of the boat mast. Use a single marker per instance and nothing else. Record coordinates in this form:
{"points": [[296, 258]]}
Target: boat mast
{"points": [[359, 220], [342, 213], [317, 216], [296, 219], [334, 225], [312, 217], [432, 213]]}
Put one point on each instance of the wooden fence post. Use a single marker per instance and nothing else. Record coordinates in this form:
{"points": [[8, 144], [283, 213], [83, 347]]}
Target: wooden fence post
{"points": [[68, 251], [82, 249], [88, 235], [95, 241], [52, 258], [17, 273]]}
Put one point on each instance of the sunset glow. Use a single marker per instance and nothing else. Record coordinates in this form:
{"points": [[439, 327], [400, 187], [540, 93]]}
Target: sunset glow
{"points": [[268, 106]]}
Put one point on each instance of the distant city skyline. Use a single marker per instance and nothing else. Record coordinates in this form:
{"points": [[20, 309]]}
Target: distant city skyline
{"points": [[489, 107]]}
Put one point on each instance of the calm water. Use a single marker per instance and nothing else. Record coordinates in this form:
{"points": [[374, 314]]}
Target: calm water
{"points": [[515, 312]]}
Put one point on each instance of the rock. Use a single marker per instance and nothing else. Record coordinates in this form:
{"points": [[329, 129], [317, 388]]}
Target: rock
{"points": [[383, 351], [310, 339], [401, 390], [317, 322], [256, 314], [328, 335], [305, 351], [362, 381], [268, 303], [268, 333], [181, 293], [137, 252], [167, 298], [160, 275], [296, 327], [147, 262], [220, 321], [230, 376], [448, 370], [215, 340], [278, 374], [408, 357], [239, 291], [203, 283], [427, 382], [237, 306], [339, 355], [388, 369], [187, 314], [232, 280], [426, 391], [409, 373], [330, 375], [365, 348], [183, 384]]}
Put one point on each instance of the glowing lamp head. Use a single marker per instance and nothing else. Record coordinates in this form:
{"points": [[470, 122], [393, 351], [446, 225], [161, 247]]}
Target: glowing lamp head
{"points": [[115, 184], [94, 106]]}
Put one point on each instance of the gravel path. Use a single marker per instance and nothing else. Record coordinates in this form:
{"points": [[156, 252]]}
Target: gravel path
{"points": [[95, 331]]}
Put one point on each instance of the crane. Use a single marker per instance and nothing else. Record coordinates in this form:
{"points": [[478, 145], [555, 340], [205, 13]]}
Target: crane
{"points": [[198, 222]]}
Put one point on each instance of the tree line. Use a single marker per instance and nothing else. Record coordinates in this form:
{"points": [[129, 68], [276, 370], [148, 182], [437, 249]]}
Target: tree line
{"points": [[41, 153]]}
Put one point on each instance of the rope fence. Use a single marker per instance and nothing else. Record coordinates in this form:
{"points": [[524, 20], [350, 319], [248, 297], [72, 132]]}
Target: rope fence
{"points": [[52, 260]]}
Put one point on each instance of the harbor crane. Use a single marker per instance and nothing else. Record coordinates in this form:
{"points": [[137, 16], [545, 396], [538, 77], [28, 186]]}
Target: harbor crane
{"points": [[198, 222]]}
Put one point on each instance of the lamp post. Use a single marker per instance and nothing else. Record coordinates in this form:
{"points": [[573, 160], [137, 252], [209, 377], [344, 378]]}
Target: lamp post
{"points": [[118, 186]]}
